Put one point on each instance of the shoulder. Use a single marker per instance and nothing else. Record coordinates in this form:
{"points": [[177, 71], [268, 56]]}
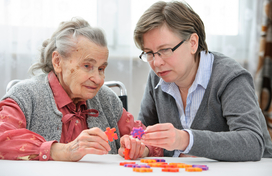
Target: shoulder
{"points": [[28, 92], [225, 69], [30, 86], [226, 64], [227, 72]]}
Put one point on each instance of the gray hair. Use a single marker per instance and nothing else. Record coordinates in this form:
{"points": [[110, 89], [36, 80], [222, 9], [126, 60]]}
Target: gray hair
{"points": [[64, 40], [177, 16]]}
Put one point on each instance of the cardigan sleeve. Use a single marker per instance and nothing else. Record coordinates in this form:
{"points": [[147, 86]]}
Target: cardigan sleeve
{"points": [[244, 141], [17, 142]]}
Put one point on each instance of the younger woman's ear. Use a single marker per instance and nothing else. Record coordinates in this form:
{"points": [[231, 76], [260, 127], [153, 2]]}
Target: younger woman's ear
{"points": [[194, 42], [56, 61]]}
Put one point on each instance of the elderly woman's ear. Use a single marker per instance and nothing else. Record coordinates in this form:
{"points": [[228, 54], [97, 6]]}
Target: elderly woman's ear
{"points": [[56, 61]]}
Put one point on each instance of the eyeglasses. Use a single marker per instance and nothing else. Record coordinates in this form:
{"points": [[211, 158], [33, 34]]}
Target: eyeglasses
{"points": [[163, 53]]}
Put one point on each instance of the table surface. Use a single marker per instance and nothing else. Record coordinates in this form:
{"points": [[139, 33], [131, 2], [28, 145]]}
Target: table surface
{"points": [[109, 165]]}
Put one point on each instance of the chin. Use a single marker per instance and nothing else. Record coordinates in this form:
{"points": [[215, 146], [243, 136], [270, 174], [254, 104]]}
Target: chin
{"points": [[90, 95], [167, 80]]}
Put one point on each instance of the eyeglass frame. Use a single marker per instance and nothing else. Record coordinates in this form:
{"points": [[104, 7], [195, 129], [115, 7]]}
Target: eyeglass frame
{"points": [[158, 52]]}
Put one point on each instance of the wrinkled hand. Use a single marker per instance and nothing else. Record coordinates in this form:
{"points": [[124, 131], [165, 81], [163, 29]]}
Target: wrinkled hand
{"points": [[90, 141], [137, 148], [166, 136]]}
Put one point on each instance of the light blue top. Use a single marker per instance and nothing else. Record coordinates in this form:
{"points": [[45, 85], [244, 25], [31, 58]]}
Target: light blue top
{"points": [[194, 97]]}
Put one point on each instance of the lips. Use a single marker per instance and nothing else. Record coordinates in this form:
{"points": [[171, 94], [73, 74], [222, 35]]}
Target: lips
{"points": [[91, 87], [163, 73]]}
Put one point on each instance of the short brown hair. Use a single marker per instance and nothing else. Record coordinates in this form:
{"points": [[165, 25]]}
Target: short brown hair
{"points": [[178, 16]]}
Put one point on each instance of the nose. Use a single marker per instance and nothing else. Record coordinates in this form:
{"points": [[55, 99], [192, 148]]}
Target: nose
{"points": [[96, 77], [157, 60]]}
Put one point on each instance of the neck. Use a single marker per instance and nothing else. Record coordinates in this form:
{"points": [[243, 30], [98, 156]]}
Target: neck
{"points": [[69, 93]]}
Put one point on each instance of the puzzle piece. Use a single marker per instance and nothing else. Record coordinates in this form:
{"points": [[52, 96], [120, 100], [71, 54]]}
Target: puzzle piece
{"points": [[130, 165], [187, 165], [126, 154], [110, 133], [194, 165], [160, 164], [203, 167], [170, 166], [142, 170], [141, 166], [148, 161], [193, 169], [181, 165], [137, 132], [170, 170], [124, 163], [160, 160]]}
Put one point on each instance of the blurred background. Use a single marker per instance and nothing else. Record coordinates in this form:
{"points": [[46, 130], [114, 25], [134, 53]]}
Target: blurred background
{"points": [[233, 27]]}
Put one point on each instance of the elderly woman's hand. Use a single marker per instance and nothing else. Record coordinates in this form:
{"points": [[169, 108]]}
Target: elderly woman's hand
{"points": [[137, 148], [166, 136], [90, 141]]}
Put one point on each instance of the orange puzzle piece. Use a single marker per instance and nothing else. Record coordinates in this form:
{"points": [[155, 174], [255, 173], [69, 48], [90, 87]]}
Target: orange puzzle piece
{"points": [[142, 170], [157, 164], [110, 133], [126, 153], [148, 161], [193, 169], [123, 163], [180, 165], [170, 170]]}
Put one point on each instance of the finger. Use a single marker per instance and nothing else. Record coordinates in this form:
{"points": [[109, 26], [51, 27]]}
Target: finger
{"points": [[78, 149], [95, 145], [157, 135], [156, 142], [122, 141], [95, 151], [101, 142], [137, 149], [98, 132], [127, 142], [158, 127], [139, 152], [94, 138], [121, 151], [87, 139], [133, 147], [142, 148]]}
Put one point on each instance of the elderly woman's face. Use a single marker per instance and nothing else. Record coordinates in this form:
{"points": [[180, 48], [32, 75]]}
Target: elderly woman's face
{"points": [[82, 72]]}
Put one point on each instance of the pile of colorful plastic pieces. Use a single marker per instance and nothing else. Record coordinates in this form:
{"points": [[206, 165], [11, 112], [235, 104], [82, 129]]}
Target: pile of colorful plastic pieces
{"points": [[166, 167]]}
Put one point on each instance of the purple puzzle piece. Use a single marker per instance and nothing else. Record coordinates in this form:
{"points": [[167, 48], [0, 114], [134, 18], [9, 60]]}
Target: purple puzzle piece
{"points": [[141, 166], [203, 167], [137, 132]]}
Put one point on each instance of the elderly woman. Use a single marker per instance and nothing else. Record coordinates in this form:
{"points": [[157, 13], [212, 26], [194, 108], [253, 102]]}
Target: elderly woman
{"points": [[62, 114]]}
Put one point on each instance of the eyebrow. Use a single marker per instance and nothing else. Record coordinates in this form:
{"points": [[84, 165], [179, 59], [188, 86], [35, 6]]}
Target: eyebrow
{"points": [[105, 64], [89, 60], [159, 48], [94, 61]]}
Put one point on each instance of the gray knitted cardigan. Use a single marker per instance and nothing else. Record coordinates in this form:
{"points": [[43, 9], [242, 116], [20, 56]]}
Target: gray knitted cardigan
{"points": [[229, 125], [36, 100]]}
